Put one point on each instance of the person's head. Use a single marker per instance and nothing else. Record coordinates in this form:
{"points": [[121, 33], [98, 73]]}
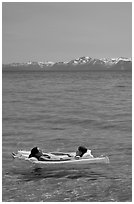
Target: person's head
{"points": [[35, 152], [81, 151]]}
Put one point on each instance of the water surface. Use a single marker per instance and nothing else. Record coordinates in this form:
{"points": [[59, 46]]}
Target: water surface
{"points": [[58, 112]]}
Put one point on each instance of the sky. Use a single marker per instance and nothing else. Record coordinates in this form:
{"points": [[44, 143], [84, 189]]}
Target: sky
{"points": [[62, 31]]}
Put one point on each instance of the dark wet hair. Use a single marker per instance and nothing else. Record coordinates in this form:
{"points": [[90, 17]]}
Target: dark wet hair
{"points": [[82, 149], [34, 151]]}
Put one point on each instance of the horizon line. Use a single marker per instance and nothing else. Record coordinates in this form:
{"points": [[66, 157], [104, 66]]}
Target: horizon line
{"points": [[108, 58]]}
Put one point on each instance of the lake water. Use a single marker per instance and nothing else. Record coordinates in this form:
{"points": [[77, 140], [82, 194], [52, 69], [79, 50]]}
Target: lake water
{"points": [[58, 111]]}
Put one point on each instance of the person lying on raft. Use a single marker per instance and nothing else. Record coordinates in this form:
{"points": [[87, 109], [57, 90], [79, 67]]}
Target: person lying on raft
{"points": [[38, 154], [81, 152]]}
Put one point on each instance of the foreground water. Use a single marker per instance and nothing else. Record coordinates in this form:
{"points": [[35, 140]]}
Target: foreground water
{"points": [[58, 112]]}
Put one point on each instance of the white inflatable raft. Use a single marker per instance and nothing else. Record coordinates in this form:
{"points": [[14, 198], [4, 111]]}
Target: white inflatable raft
{"points": [[62, 161]]}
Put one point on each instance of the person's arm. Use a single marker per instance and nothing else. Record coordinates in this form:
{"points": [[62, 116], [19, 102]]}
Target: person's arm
{"points": [[46, 155], [61, 154], [43, 158], [67, 154], [88, 154]]}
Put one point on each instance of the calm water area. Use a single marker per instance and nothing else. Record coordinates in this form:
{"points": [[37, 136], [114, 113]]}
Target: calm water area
{"points": [[58, 111]]}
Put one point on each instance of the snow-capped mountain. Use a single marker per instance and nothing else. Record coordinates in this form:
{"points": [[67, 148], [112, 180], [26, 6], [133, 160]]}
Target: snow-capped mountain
{"points": [[113, 63], [104, 61], [82, 63]]}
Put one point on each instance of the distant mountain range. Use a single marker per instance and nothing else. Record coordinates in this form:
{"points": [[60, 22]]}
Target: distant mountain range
{"points": [[79, 64]]}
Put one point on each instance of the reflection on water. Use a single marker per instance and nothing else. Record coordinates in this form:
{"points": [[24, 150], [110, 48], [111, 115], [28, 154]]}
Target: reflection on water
{"points": [[40, 173]]}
